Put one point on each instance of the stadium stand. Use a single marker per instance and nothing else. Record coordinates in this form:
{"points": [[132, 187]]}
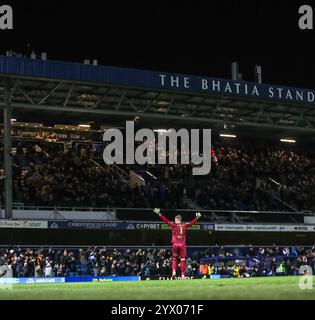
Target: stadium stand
{"points": [[51, 174], [154, 262], [55, 186]]}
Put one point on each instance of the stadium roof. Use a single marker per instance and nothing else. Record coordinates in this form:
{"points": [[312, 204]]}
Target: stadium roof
{"points": [[71, 92]]}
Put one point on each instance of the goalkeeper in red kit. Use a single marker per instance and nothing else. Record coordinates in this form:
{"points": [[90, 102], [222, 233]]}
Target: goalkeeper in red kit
{"points": [[178, 239]]}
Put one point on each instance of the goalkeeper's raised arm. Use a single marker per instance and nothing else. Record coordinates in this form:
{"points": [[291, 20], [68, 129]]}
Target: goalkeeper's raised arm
{"points": [[198, 216], [158, 212]]}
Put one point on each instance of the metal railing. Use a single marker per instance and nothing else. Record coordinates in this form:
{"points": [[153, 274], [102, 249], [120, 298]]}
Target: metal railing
{"points": [[113, 169], [21, 206]]}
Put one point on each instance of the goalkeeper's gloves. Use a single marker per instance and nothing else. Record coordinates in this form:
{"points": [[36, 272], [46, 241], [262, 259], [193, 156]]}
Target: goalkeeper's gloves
{"points": [[198, 215], [157, 211]]}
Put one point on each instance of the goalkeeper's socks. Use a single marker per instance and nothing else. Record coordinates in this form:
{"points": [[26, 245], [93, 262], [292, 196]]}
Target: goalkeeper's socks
{"points": [[174, 267], [182, 266]]}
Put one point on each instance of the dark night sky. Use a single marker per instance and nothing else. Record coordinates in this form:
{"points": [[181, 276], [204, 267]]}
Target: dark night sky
{"points": [[190, 37]]}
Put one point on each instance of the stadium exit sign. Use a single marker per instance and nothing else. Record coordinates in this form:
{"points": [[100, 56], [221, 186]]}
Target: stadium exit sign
{"points": [[6, 17]]}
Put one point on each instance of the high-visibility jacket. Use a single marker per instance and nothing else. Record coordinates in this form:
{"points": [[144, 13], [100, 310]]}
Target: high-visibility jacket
{"points": [[204, 269], [211, 269], [236, 271]]}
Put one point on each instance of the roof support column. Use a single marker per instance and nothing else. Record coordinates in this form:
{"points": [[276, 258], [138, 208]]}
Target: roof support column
{"points": [[7, 114]]}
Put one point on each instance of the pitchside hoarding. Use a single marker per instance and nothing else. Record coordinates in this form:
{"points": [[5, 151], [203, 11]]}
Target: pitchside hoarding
{"points": [[41, 280], [26, 224], [264, 228], [117, 225], [149, 226]]}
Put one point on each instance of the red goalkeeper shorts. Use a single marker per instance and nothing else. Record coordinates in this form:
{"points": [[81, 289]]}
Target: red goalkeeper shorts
{"points": [[179, 250]]}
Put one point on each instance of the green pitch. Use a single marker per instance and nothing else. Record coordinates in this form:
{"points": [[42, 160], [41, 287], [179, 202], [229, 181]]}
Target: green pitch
{"points": [[250, 288]]}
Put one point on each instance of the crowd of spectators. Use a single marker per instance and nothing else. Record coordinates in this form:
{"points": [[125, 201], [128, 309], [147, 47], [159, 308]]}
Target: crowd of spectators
{"points": [[52, 175], [264, 178], [153, 262], [243, 177]]}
